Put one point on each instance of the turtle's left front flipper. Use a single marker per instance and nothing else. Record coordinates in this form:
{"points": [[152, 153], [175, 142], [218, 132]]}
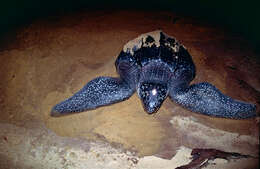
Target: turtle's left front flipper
{"points": [[207, 99], [98, 92]]}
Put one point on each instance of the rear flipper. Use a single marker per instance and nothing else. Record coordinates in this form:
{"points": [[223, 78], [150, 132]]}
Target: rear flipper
{"points": [[98, 92], [207, 99]]}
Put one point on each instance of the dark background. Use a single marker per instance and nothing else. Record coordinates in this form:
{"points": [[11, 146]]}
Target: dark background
{"points": [[236, 15]]}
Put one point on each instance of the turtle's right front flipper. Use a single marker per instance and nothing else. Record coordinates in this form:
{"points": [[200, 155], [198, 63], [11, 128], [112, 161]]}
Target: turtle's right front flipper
{"points": [[207, 99], [98, 92]]}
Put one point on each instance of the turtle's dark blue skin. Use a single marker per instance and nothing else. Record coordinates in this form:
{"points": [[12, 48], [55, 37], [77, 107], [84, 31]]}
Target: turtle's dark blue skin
{"points": [[156, 66]]}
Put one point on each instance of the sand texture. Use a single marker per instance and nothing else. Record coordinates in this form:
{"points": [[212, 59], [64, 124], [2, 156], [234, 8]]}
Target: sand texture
{"points": [[53, 58]]}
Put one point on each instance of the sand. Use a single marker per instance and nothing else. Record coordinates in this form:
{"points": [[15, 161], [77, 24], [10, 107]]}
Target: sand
{"points": [[52, 58]]}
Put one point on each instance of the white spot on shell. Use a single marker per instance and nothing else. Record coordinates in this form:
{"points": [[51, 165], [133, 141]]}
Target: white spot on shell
{"points": [[139, 42]]}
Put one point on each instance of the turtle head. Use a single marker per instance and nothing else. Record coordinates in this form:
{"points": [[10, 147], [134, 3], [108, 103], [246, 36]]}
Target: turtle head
{"points": [[152, 95]]}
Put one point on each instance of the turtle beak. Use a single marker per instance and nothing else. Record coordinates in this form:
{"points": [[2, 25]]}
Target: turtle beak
{"points": [[151, 106]]}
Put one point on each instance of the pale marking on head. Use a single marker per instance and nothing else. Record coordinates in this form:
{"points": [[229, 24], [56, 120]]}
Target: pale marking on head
{"points": [[154, 92], [151, 104]]}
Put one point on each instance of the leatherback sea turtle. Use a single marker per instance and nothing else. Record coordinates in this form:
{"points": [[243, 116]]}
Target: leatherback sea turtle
{"points": [[155, 65]]}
